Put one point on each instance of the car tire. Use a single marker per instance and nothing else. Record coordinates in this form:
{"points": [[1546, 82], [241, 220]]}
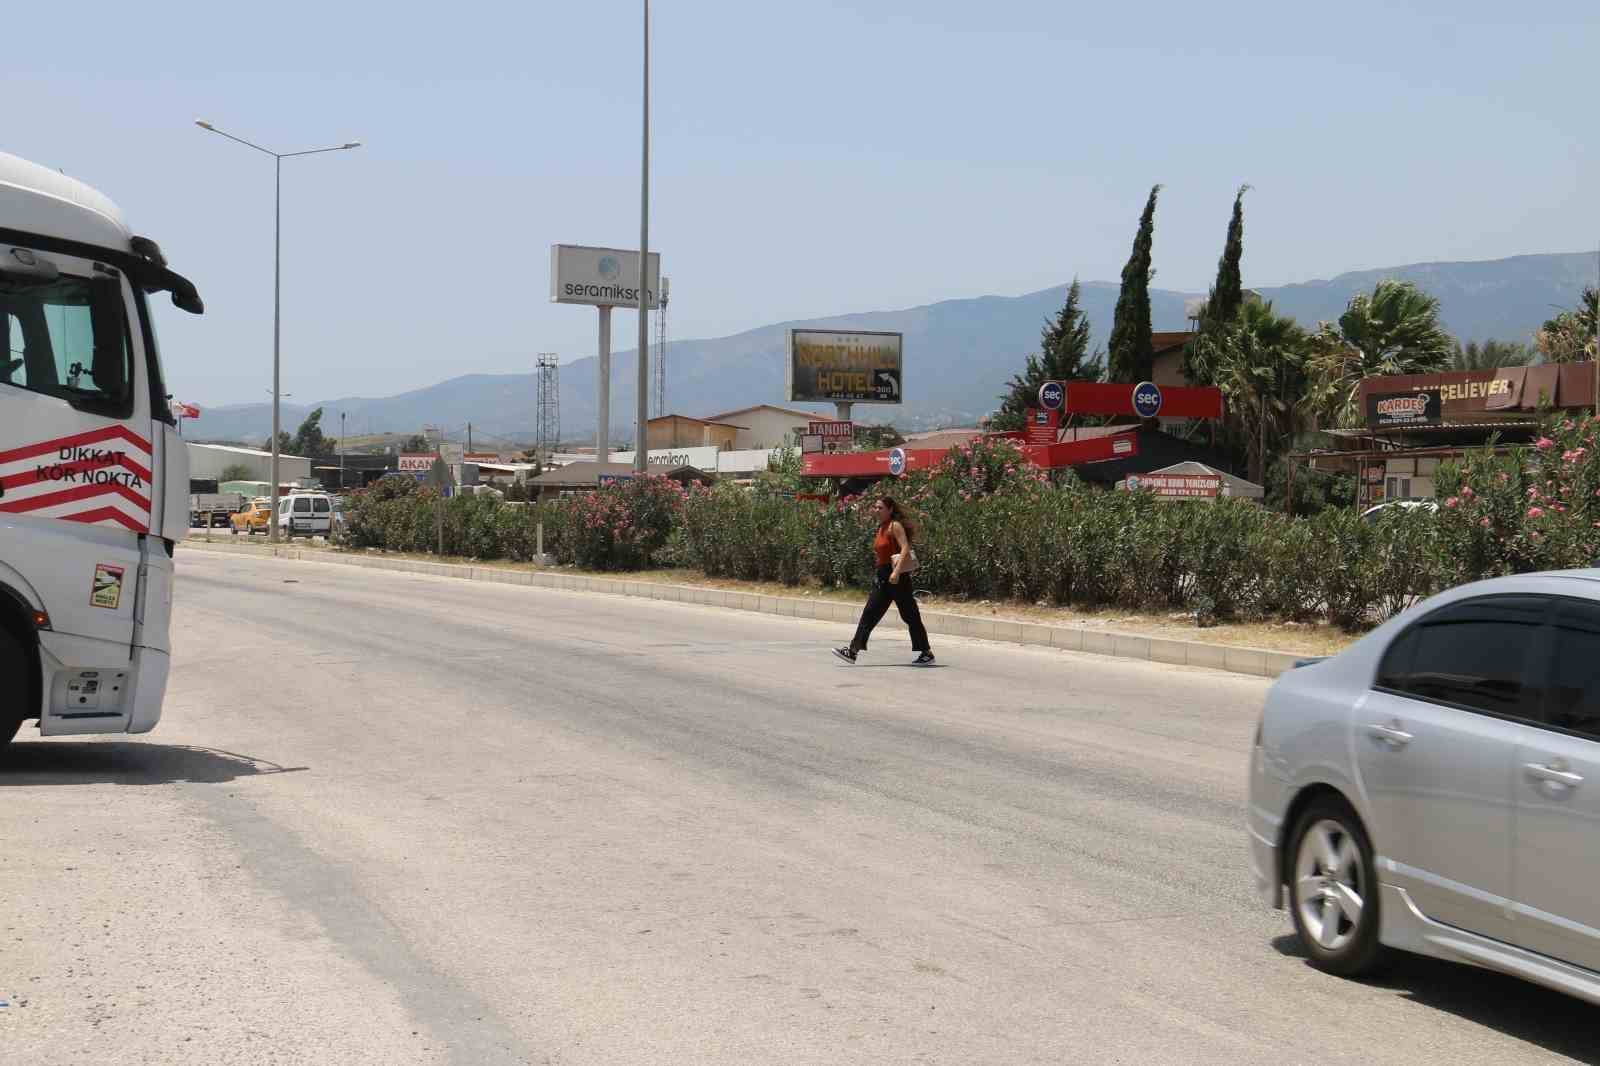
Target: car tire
{"points": [[14, 697], [1333, 889]]}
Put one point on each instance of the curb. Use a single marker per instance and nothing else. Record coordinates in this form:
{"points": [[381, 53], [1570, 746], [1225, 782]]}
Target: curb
{"points": [[1255, 662]]}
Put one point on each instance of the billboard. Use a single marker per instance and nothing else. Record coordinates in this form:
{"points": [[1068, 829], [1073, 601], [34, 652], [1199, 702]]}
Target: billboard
{"points": [[415, 463], [843, 366], [602, 277]]}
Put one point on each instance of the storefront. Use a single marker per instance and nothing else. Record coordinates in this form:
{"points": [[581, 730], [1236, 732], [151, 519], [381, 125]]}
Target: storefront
{"points": [[1415, 422]]}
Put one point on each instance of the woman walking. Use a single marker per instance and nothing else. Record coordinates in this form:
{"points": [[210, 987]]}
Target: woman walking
{"points": [[891, 583]]}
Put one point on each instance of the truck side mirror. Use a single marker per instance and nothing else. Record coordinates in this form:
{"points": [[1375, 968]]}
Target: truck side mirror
{"points": [[109, 321]]}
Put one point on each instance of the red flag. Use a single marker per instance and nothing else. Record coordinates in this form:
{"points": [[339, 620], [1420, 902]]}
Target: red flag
{"points": [[188, 410]]}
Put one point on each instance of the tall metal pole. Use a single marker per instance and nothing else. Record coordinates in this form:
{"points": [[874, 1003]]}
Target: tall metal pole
{"points": [[602, 390], [641, 457], [341, 452], [277, 301]]}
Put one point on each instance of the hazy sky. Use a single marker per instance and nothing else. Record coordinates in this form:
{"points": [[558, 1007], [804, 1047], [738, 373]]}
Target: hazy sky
{"points": [[809, 157]]}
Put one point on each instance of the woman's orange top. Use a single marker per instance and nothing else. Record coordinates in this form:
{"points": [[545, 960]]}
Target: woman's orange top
{"points": [[884, 546]]}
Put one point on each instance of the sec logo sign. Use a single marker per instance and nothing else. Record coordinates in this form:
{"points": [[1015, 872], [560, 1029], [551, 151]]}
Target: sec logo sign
{"points": [[1146, 399], [1052, 395], [897, 462]]}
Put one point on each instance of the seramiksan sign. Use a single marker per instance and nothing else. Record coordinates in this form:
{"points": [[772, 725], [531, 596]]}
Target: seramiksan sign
{"points": [[600, 277]]}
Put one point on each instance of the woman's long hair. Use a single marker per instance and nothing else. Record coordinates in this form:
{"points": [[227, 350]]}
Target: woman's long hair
{"points": [[898, 515]]}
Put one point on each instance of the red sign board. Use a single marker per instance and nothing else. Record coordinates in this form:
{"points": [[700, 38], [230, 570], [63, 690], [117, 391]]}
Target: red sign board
{"points": [[832, 430], [1101, 398], [1176, 486], [1049, 456], [1042, 426], [413, 464]]}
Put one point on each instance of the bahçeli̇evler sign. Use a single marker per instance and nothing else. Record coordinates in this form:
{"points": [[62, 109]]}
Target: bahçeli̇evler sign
{"points": [[604, 277], [1386, 409], [839, 366]]}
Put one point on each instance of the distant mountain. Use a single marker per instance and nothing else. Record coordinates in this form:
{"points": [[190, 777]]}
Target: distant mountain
{"points": [[959, 354]]}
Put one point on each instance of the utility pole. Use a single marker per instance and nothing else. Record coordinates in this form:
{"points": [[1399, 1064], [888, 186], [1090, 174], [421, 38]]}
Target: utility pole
{"points": [[469, 436], [641, 440], [341, 451]]}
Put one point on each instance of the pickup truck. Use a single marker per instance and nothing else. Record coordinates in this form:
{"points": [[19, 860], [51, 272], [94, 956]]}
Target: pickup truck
{"points": [[214, 508]]}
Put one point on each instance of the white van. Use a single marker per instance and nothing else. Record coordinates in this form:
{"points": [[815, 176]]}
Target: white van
{"points": [[305, 514]]}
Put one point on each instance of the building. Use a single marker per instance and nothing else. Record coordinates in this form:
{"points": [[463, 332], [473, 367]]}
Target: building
{"points": [[1413, 422], [767, 426], [681, 431], [208, 461], [587, 477]]}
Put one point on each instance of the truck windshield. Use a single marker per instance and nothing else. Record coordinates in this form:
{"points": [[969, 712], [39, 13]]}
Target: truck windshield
{"points": [[49, 342]]}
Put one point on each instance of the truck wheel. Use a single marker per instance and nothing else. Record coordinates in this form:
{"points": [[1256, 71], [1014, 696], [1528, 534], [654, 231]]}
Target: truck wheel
{"points": [[15, 689]]}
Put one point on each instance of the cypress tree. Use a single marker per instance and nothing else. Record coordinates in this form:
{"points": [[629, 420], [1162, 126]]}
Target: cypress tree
{"points": [[1228, 292], [1132, 354]]}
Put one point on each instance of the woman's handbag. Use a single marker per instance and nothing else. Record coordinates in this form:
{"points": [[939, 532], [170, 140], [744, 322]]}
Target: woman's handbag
{"points": [[906, 561]]}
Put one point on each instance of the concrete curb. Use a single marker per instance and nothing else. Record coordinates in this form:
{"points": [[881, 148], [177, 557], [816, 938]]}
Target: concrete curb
{"points": [[1256, 662]]}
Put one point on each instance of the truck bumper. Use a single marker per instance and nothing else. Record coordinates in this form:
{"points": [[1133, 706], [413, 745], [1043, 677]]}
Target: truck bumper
{"points": [[92, 686]]}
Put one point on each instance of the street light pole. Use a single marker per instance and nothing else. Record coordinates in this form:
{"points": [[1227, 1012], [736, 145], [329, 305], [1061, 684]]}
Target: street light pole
{"points": [[641, 441], [277, 283]]}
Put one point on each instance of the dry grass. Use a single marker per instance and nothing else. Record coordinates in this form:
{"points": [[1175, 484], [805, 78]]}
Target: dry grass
{"points": [[1307, 638]]}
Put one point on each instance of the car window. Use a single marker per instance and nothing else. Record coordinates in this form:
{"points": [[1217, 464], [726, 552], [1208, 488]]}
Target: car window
{"points": [[320, 506], [1572, 687], [1473, 654], [302, 505]]}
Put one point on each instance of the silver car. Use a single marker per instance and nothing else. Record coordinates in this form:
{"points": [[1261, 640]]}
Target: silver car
{"points": [[1436, 787]]}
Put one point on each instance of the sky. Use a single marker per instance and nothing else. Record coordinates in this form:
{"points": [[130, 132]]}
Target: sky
{"points": [[807, 158]]}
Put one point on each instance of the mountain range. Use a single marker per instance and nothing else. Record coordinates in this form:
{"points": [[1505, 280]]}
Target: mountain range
{"points": [[958, 354]]}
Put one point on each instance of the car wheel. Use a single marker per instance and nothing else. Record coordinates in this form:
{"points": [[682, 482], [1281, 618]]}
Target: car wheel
{"points": [[1333, 889], [13, 702]]}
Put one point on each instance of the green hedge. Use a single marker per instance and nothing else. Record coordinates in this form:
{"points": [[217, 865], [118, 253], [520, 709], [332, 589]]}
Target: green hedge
{"points": [[989, 526]]}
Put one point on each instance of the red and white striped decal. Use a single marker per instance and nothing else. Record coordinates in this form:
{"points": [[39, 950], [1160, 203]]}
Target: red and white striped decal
{"points": [[101, 477]]}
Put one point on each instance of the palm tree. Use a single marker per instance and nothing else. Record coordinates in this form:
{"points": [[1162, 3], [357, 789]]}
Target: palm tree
{"points": [[1570, 336], [1258, 360], [1396, 330], [1490, 355]]}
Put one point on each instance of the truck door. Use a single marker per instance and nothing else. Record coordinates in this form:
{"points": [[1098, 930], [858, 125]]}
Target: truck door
{"points": [[76, 455]]}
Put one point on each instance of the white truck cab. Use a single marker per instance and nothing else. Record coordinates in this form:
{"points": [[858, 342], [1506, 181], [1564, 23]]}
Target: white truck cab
{"points": [[94, 480]]}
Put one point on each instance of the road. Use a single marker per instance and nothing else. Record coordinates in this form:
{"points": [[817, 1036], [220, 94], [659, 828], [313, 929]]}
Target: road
{"points": [[398, 819]]}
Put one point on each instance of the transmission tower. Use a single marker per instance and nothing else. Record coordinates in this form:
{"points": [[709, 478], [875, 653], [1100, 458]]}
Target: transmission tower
{"points": [[547, 419], [661, 352]]}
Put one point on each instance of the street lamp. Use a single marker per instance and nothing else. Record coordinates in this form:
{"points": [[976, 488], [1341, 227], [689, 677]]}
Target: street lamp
{"points": [[277, 277], [641, 441]]}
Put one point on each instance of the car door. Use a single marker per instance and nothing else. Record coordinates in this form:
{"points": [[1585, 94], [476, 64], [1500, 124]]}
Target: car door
{"points": [[321, 515], [1555, 856], [300, 515], [1434, 742]]}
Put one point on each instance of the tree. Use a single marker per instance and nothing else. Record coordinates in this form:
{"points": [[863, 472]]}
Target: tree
{"points": [[234, 472], [1063, 356], [884, 436], [1395, 330], [1569, 337], [415, 443], [309, 439], [1131, 353], [1227, 292], [1490, 355], [1258, 360]]}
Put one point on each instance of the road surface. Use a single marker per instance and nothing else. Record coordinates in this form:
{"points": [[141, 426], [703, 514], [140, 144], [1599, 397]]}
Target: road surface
{"points": [[398, 819]]}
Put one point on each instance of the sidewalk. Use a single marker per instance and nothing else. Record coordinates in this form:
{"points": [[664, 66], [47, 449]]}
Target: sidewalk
{"points": [[1258, 662]]}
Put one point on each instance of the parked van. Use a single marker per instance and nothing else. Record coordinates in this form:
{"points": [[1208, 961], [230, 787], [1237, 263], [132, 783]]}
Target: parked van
{"points": [[305, 514]]}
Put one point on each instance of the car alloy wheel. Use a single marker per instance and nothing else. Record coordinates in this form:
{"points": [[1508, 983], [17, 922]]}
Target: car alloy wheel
{"points": [[1333, 890]]}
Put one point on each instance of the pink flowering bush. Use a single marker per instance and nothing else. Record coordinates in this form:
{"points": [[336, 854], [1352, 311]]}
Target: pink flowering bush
{"points": [[1533, 508]]}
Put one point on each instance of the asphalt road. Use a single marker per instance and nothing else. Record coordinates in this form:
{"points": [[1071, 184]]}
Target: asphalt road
{"points": [[397, 819]]}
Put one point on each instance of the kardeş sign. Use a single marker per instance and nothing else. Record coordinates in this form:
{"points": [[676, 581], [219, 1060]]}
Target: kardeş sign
{"points": [[1403, 408], [840, 366], [603, 277]]}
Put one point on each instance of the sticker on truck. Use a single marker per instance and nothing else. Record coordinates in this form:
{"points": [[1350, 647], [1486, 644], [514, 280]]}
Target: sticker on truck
{"points": [[101, 477], [107, 589]]}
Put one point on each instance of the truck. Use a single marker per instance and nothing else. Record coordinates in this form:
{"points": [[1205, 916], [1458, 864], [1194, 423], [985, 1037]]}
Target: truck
{"points": [[94, 478], [207, 509]]}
